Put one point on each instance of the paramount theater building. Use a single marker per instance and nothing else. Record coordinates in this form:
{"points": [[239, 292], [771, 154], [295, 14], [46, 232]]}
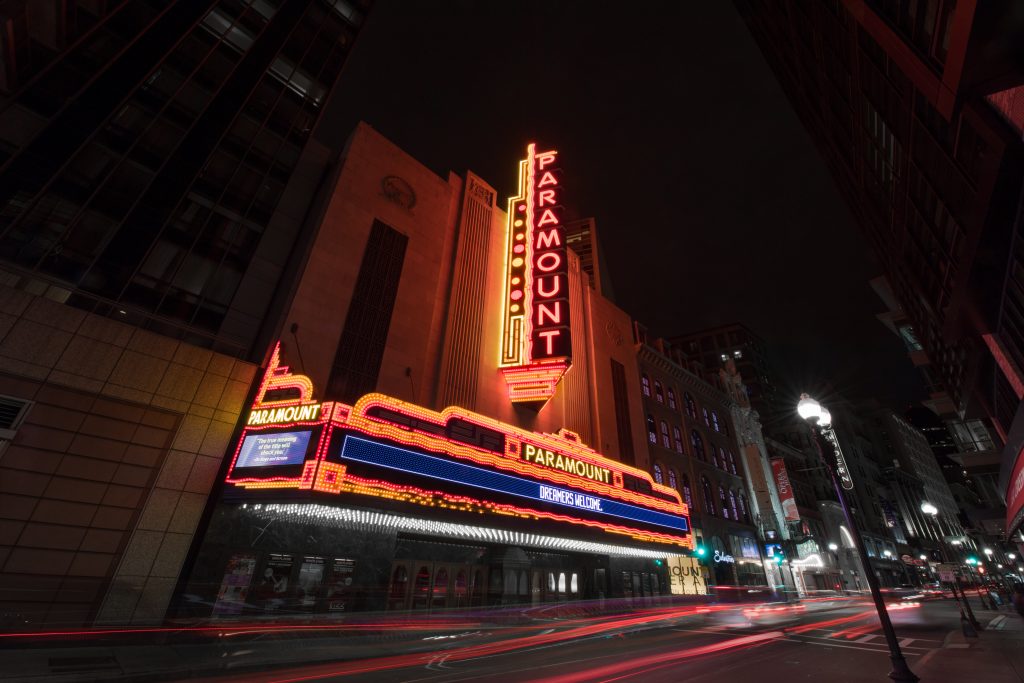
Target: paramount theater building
{"points": [[451, 417]]}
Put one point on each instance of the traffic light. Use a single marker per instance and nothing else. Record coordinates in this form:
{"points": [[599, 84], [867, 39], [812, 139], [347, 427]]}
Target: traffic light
{"points": [[701, 551], [971, 560], [658, 562]]}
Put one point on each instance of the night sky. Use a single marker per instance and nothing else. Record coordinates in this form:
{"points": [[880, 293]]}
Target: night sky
{"points": [[711, 202]]}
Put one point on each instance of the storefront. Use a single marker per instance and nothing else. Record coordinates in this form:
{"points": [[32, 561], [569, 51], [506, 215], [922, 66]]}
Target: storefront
{"points": [[386, 505]]}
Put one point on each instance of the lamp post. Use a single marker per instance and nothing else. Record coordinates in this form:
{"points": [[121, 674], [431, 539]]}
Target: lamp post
{"points": [[967, 619], [820, 421]]}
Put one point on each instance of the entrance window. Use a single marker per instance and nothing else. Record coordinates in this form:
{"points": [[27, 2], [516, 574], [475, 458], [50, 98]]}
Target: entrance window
{"points": [[561, 582], [398, 582], [421, 588], [460, 585], [551, 582], [574, 583], [441, 585]]}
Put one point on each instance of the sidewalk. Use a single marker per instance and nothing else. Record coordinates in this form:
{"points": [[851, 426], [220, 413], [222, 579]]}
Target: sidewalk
{"points": [[995, 656]]}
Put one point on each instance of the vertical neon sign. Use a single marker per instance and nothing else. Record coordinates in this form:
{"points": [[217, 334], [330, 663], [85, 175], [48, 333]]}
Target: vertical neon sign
{"points": [[536, 343]]}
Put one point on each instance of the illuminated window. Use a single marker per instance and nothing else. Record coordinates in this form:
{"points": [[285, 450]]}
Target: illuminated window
{"points": [[561, 582], [574, 583], [709, 502], [714, 457], [714, 420], [723, 457], [707, 417], [659, 393], [665, 440], [652, 431], [732, 463], [691, 407], [721, 496], [645, 385], [698, 445], [677, 436], [671, 398], [743, 509], [673, 481], [658, 477], [687, 491], [732, 505]]}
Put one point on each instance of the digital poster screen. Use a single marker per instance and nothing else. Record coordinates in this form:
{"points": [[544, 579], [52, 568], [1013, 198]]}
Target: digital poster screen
{"points": [[272, 450]]}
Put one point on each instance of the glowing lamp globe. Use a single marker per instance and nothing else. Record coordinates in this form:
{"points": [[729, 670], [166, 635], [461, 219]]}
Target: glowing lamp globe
{"points": [[929, 509], [833, 546], [808, 408], [825, 419]]}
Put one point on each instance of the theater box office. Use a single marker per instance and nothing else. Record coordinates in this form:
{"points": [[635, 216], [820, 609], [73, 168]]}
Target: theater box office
{"points": [[387, 505]]}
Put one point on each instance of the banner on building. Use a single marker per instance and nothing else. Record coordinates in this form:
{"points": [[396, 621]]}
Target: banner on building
{"points": [[785, 489], [685, 576]]}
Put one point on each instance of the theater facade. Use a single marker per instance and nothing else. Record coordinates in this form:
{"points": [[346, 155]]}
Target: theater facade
{"points": [[451, 418]]}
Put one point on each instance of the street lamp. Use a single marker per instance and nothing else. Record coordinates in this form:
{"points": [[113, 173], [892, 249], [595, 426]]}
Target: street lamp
{"points": [[923, 557], [988, 551], [833, 547], [819, 421], [1012, 556]]}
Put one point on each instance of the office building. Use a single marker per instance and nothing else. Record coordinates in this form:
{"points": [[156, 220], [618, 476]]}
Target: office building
{"points": [[157, 161]]}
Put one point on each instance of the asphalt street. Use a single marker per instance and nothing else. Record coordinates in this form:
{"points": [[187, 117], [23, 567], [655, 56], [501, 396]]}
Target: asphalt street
{"points": [[844, 644]]}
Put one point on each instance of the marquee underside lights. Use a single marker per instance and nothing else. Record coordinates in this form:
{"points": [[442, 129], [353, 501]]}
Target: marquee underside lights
{"points": [[536, 343], [455, 460], [329, 515]]}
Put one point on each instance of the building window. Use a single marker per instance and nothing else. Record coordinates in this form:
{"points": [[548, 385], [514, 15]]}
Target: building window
{"points": [[714, 421], [732, 462], [671, 398], [707, 417], [677, 435], [698, 445], [709, 502], [743, 509], [659, 393], [723, 456], [360, 350], [645, 385], [687, 492], [623, 428], [714, 457], [665, 440], [652, 431], [721, 496], [673, 481], [658, 477], [732, 505], [691, 407]]}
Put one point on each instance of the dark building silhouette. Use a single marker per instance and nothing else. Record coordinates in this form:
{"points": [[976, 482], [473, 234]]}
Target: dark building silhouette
{"points": [[157, 163], [917, 109], [152, 155], [716, 346]]}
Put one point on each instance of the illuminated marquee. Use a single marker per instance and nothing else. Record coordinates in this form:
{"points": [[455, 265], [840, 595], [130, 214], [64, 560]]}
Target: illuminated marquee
{"points": [[453, 459], [536, 343], [543, 456]]}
